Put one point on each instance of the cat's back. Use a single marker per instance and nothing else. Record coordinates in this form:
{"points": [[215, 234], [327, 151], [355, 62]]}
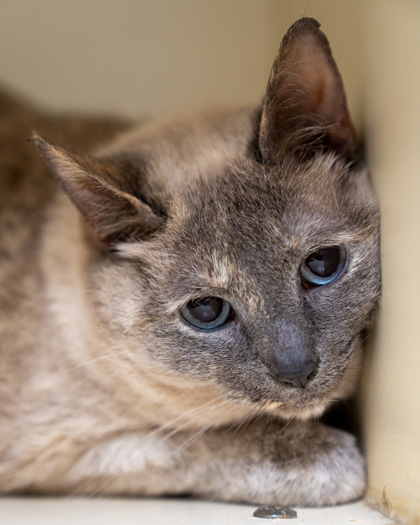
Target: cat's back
{"points": [[25, 182], [26, 185], [26, 190]]}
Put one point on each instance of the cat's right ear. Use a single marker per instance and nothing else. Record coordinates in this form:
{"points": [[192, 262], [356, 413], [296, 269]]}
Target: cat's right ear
{"points": [[305, 104], [112, 214]]}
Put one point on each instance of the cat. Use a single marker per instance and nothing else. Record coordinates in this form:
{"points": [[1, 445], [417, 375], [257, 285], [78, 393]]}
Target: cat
{"points": [[183, 299]]}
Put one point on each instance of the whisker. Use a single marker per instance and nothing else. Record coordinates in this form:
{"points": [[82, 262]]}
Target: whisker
{"points": [[187, 413], [94, 360], [201, 409], [237, 425], [197, 435]]}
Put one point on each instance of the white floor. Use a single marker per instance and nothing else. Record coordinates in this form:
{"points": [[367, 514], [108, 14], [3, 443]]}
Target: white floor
{"points": [[47, 511]]}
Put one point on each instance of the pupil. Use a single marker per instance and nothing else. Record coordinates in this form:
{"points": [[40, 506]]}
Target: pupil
{"points": [[207, 309], [324, 262]]}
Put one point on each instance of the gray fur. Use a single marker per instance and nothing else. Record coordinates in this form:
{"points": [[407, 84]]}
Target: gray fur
{"points": [[104, 389]]}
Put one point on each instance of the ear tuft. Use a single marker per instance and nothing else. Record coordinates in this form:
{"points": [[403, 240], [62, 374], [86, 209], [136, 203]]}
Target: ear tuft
{"points": [[112, 214], [305, 103]]}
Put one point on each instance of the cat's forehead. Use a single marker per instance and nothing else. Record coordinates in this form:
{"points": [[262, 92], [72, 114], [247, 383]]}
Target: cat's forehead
{"points": [[291, 205], [247, 230], [231, 216]]}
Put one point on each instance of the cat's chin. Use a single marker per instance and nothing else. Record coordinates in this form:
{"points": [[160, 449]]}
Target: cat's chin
{"points": [[296, 403], [288, 411]]}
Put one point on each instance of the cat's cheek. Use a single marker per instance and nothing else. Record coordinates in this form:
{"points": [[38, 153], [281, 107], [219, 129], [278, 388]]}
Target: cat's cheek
{"points": [[199, 354], [348, 382]]}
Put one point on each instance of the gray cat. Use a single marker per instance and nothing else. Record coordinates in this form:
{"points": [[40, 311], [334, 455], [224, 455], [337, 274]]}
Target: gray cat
{"points": [[178, 307]]}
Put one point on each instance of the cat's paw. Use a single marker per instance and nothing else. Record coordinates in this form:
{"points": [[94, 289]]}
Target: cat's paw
{"points": [[311, 465], [337, 473]]}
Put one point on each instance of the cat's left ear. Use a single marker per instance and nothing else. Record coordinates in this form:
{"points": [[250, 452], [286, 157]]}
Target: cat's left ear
{"points": [[96, 187], [305, 104]]}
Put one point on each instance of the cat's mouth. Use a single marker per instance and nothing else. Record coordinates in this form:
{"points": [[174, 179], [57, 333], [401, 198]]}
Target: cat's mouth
{"points": [[298, 404], [312, 401], [306, 410]]}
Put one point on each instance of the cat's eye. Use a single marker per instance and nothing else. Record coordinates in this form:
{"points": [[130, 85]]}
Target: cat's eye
{"points": [[207, 313], [324, 265]]}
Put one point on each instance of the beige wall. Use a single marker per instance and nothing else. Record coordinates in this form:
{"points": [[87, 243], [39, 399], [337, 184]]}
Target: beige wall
{"points": [[392, 389], [136, 56], [155, 56]]}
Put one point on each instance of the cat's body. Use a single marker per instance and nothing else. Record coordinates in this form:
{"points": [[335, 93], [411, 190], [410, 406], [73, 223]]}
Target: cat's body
{"points": [[105, 385]]}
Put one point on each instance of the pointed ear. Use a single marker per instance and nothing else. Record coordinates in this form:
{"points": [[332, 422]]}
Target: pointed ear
{"points": [[111, 213], [305, 103]]}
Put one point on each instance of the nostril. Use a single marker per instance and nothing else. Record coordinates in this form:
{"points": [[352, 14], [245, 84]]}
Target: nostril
{"points": [[312, 374]]}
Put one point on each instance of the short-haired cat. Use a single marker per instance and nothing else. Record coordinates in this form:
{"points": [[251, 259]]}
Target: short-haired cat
{"points": [[183, 299]]}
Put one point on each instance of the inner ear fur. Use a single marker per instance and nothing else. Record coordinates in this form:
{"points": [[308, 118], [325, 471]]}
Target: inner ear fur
{"points": [[305, 103], [111, 213]]}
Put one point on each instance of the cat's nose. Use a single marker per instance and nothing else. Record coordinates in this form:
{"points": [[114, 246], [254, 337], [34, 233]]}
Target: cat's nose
{"points": [[297, 377], [288, 351], [294, 374]]}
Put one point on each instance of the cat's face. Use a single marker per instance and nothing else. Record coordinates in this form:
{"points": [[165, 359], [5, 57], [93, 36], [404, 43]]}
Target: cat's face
{"points": [[243, 237], [247, 245]]}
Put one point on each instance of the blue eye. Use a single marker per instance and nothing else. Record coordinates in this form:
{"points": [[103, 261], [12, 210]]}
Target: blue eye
{"points": [[324, 265], [207, 313]]}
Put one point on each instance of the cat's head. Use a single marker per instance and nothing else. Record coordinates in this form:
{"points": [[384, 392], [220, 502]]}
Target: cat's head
{"points": [[239, 248]]}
